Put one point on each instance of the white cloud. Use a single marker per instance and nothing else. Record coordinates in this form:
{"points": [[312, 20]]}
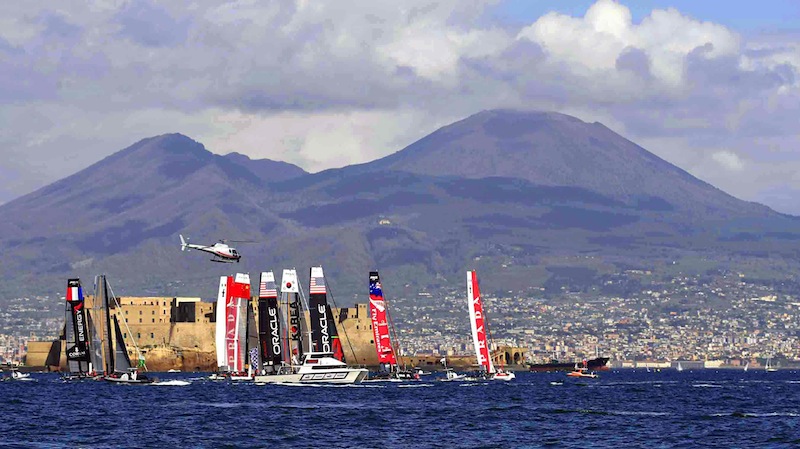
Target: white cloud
{"points": [[728, 160], [591, 45], [325, 84]]}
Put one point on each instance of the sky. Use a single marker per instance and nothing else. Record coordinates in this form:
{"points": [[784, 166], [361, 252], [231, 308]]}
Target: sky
{"points": [[711, 86]]}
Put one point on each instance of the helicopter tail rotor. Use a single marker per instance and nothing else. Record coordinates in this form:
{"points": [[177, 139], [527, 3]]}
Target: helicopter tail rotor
{"points": [[183, 243]]}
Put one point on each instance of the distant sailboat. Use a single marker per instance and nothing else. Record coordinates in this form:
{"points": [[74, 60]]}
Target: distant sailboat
{"points": [[746, 366], [76, 334], [118, 367], [679, 368], [480, 327], [770, 368], [382, 329], [233, 316], [271, 349], [323, 365]]}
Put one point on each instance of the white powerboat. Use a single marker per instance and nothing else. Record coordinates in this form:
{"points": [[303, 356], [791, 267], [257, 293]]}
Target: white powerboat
{"points": [[316, 368], [452, 376]]}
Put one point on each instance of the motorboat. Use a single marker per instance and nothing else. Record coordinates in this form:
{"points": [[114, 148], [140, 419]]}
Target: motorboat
{"points": [[450, 376], [315, 368], [582, 372]]}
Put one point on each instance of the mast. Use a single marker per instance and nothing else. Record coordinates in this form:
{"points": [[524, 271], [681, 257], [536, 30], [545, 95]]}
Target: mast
{"points": [[478, 323], [269, 327], [380, 325]]}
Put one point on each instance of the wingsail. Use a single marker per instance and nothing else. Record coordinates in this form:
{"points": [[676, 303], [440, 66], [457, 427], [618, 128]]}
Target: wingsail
{"points": [[324, 336], [380, 325], [269, 325]]}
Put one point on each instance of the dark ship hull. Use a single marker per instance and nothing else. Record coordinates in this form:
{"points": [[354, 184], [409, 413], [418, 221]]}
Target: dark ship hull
{"points": [[598, 364]]}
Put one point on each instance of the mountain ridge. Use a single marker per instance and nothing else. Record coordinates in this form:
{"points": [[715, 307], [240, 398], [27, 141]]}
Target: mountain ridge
{"points": [[417, 214]]}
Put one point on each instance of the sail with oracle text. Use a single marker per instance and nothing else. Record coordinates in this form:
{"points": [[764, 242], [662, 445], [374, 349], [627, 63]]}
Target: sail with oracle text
{"points": [[76, 330], [477, 321], [380, 324], [324, 336], [269, 323]]}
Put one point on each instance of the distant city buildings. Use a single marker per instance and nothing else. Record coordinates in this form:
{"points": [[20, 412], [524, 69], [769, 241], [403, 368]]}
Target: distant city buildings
{"points": [[720, 317]]}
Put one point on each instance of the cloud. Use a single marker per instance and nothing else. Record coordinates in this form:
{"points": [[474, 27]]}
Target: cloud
{"points": [[728, 160], [324, 84]]}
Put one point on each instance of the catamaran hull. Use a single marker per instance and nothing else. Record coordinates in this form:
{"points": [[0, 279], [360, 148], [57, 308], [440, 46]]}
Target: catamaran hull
{"points": [[349, 376]]}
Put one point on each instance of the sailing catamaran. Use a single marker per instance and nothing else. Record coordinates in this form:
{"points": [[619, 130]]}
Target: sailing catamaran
{"points": [[118, 367], [381, 328], [235, 330], [76, 335], [324, 364], [479, 323]]}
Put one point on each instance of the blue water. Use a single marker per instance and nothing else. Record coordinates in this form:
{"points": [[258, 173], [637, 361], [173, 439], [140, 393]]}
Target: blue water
{"points": [[624, 409]]}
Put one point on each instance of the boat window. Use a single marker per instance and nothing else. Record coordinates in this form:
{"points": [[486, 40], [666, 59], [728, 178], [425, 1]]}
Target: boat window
{"points": [[320, 355], [323, 367]]}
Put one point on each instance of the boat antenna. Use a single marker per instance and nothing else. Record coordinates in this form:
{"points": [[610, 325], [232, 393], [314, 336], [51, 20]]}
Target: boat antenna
{"points": [[344, 329], [125, 322]]}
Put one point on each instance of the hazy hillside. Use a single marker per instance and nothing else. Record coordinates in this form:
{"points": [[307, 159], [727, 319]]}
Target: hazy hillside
{"points": [[521, 196]]}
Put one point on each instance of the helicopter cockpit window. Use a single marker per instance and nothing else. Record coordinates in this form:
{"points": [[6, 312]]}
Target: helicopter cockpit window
{"points": [[234, 252]]}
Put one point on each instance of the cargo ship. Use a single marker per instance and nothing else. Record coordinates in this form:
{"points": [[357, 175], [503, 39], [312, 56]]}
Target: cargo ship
{"points": [[595, 364]]}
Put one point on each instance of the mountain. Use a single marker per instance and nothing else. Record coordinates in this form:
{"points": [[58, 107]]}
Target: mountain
{"points": [[531, 199]]}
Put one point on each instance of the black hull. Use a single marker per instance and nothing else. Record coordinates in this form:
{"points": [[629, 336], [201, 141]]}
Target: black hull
{"points": [[598, 364]]}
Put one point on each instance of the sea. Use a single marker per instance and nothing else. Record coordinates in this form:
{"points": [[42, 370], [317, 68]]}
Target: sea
{"points": [[625, 408]]}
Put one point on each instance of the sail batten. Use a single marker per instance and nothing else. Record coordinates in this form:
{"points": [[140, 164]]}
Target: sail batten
{"points": [[477, 323]]}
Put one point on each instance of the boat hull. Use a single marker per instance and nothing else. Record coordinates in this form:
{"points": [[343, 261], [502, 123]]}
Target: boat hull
{"points": [[343, 376], [598, 364]]}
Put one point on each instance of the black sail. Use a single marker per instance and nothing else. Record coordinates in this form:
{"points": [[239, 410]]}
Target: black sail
{"points": [[324, 336], [77, 339], [269, 325]]}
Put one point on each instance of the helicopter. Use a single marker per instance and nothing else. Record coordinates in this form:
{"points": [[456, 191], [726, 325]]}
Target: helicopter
{"points": [[221, 251]]}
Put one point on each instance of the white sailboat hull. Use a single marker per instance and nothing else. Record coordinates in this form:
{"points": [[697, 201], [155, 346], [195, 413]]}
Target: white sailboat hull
{"points": [[339, 376], [506, 376]]}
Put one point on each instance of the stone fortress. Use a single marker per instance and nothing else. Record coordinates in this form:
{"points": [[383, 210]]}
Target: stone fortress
{"points": [[178, 333]]}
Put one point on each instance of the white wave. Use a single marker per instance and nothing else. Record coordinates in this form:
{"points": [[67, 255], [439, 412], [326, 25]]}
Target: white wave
{"points": [[707, 386], [415, 386], [172, 383]]}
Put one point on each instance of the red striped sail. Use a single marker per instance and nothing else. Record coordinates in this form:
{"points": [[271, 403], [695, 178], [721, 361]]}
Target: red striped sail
{"points": [[380, 326], [477, 322], [236, 303]]}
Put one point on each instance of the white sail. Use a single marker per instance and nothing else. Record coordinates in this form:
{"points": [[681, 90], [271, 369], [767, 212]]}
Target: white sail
{"points": [[289, 282], [220, 324], [477, 323]]}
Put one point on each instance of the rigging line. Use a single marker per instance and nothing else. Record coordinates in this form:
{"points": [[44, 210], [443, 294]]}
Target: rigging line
{"points": [[304, 302], [344, 328], [489, 332], [139, 355], [396, 345]]}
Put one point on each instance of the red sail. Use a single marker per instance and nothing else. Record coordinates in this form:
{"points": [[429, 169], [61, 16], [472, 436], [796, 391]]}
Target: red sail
{"points": [[380, 325], [236, 303], [478, 322]]}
